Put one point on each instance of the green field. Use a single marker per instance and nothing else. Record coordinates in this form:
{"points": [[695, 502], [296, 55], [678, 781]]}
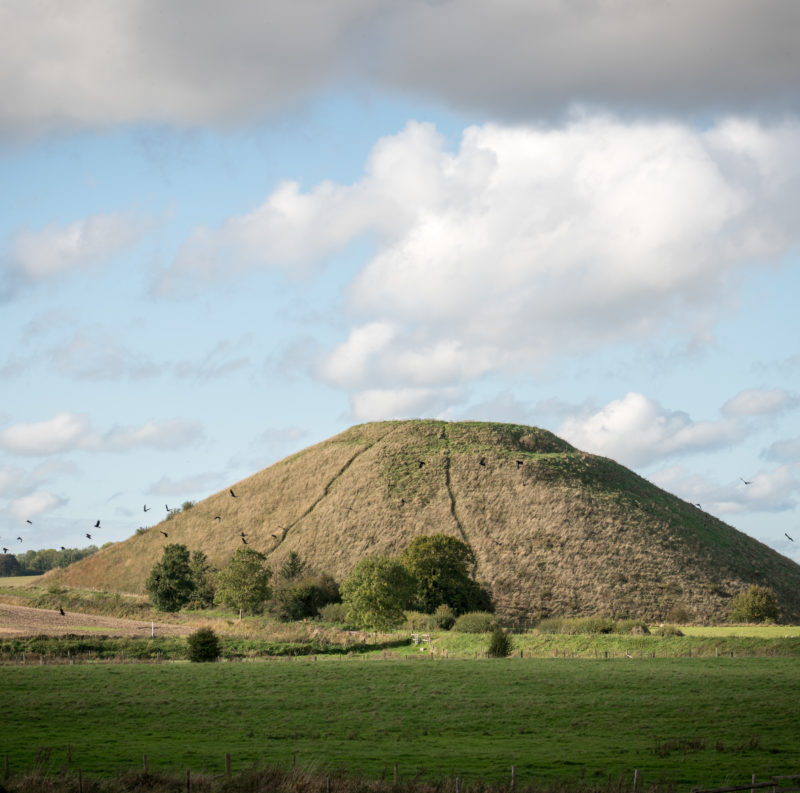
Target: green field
{"points": [[686, 721]]}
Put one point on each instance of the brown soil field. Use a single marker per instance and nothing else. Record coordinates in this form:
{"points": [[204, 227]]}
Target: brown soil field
{"points": [[26, 621]]}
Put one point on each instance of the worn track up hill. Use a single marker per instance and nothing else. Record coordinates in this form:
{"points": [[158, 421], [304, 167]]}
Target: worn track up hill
{"points": [[555, 531]]}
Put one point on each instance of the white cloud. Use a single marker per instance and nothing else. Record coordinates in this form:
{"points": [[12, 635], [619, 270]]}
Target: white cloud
{"points": [[85, 62], [27, 507], [758, 402], [376, 404], [54, 250], [786, 451], [71, 431], [637, 430], [776, 490]]}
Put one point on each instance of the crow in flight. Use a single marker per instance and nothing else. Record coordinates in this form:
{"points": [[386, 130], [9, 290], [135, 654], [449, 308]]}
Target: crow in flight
{"points": [[421, 463], [63, 548], [5, 550], [217, 517], [166, 507], [244, 540], [788, 537], [97, 525], [146, 508], [164, 533], [519, 463], [89, 536], [746, 482], [61, 611], [482, 461], [29, 521], [19, 538], [232, 493]]}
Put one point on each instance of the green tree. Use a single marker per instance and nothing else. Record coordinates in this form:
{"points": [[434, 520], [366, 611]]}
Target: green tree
{"points": [[203, 645], [500, 644], [203, 576], [757, 604], [9, 565], [293, 566], [170, 582], [441, 566], [376, 592], [243, 583]]}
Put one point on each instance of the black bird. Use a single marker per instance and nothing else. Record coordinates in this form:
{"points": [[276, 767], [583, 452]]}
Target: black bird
{"points": [[19, 538], [97, 525], [482, 461], [746, 482], [63, 548], [232, 493], [421, 463], [217, 517], [166, 507], [788, 537], [146, 508], [164, 533], [61, 611], [242, 534], [244, 540], [29, 521], [697, 505], [275, 536], [5, 550], [519, 463], [89, 536]]}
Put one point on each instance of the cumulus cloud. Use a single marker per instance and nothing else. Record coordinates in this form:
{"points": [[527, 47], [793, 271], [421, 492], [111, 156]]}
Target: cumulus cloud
{"points": [[775, 490], [637, 430], [54, 249], [71, 431], [374, 404], [29, 506], [759, 402], [84, 62]]}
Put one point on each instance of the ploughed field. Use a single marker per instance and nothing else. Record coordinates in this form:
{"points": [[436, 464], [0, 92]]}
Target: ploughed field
{"points": [[689, 721], [26, 621]]}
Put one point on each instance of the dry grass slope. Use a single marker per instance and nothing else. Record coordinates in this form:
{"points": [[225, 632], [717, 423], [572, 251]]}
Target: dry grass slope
{"points": [[555, 531]]}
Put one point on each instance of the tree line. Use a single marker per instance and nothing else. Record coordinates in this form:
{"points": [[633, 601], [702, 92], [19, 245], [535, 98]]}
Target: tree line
{"points": [[432, 572], [38, 562]]}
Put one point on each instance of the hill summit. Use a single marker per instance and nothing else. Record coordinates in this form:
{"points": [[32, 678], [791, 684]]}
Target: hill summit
{"points": [[555, 531]]}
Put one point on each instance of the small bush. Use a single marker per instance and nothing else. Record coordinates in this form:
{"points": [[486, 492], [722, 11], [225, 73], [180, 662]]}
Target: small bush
{"points": [[335, 613], [668, 630], [757, 604], [475, 622], [500, 645], [443, 618], [203, 645], [550, 625], [636, 627]]}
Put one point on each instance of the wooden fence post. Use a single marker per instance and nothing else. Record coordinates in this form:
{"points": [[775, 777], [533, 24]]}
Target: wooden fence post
{"points": [[458, 785], [752, 782], [144, 762], [328, 785], [188, 781], [227, 763], [395, 773], [513, 778], [80, 781], [635, 780]]}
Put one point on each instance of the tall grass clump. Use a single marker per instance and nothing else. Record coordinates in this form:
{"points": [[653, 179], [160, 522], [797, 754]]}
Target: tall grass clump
{"points": [[500, 645]]}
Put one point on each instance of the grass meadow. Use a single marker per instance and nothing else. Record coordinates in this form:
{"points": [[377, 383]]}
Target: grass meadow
{"points": [[687, 722]]}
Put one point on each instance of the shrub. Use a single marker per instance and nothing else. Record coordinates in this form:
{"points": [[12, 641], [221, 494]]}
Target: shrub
{"points": [[475, 622], [638, 627], [334, 613], [668, 630], [550, 625], [757, 604], [203, 645], [443, 618], [500, 645]]}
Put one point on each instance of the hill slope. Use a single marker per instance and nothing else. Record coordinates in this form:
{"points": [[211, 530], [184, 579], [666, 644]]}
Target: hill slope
{"points": [[555, 531]]}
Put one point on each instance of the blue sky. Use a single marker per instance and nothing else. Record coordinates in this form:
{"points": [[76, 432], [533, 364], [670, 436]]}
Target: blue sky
{"points": [[231, 230]]}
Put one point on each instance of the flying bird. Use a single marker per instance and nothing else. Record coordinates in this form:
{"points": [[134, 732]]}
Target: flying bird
{"points": [[217, 517], [89, 536], [244, 540], [29, 521], [746, 482], [146, 508], [421, 463], [788, 537], [697, 505], [63, 548], [242, 534], [482, 461], [164, 533], [19, 538], [5, 550], [232, 493], [166, 507], [61, 611], [97, 525], [519, 463]]}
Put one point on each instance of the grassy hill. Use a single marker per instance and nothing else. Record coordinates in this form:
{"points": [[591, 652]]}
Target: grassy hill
{"points": [[555, 531]]}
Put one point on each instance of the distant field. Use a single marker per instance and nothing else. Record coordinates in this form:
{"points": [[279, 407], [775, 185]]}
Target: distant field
{"points": [[687, 721], [18, 580], [757, 631]]}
